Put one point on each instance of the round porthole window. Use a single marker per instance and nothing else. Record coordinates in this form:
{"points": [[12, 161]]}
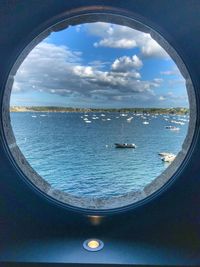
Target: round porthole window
{"points": [[99, 111]]}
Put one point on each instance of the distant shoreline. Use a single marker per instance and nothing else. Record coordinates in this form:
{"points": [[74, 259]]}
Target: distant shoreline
{"points": [[177, 110]]}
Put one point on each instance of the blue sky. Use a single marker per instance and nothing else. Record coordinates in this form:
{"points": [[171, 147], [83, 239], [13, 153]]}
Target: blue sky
{"points": [[99, 65]]}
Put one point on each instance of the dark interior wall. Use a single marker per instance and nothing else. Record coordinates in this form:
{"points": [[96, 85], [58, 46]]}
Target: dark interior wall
{"points": [[175, 213]]}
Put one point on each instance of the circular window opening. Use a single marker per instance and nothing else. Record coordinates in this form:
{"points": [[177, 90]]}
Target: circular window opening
{"points": [[101, 115]]}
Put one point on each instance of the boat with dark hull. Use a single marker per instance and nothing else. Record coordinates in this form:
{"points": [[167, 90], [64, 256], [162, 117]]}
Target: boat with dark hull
{"points": [[125, 145]]}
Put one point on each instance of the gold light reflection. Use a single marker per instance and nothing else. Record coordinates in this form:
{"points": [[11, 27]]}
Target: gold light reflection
{"points": [[93, 244], [95, 220]]}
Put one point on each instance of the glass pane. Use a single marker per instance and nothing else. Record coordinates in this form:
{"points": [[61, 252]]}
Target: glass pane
{"points": [[99, 110]]}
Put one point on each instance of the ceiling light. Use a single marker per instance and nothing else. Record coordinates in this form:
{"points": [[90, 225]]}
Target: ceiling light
{"points": [[93, 244]]}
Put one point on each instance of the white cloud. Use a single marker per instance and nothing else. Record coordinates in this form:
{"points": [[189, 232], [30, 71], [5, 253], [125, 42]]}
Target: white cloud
{"points": [[162, 98], [16, 87], [151, 48], [176, 82], [158, 80], [83, 71], [97, 64], [78, 28], [116, 36], [173, 98], [168, 72], [124, 64], [58, 70], [173, 71], [112, 43], [46, 67]]}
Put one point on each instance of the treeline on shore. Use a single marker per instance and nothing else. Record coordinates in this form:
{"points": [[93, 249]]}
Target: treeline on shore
{"points": [[176, 110]]}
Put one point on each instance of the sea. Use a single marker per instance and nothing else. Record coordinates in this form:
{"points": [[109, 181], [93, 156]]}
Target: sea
{"points": [[75, 152]]}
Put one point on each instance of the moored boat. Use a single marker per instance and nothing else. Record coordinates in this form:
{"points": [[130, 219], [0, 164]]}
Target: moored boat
{"points": [[172, 128], [125, 145], [129, 119], [167, 157]]}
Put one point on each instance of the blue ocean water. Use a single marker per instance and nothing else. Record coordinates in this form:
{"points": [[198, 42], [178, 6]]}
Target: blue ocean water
{"points": [[79, 157]]}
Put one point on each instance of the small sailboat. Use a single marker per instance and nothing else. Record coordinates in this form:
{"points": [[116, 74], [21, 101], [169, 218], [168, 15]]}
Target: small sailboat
{"points": [[129, 119]]}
